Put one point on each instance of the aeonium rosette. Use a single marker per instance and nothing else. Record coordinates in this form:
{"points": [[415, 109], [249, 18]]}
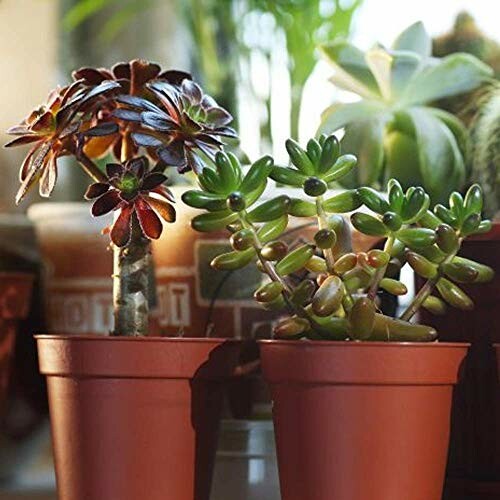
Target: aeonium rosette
{"points": [[134, 191], [51, 130], [112, 123], [185, 123]]}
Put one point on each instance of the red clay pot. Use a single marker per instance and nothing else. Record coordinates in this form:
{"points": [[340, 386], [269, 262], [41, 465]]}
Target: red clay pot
{"points": [[135, 418], [361, 421], [15, 297]]}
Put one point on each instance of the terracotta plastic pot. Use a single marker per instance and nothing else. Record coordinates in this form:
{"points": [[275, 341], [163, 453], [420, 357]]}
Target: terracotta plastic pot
{"points": [[15, 298], [135, 418], [358, 421]]}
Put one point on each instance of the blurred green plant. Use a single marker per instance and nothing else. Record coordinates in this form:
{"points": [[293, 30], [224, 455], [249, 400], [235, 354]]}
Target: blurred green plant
{"points": [[220, 32], [394, 130], [338, 299], [484, 157]]}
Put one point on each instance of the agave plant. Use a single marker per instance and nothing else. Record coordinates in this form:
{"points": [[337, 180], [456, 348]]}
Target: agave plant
{"points": [[394, 130], [109, 111], [338, 299]]}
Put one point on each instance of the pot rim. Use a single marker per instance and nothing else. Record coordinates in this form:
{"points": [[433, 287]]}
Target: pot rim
{"points": [[99, 337], [99, 356], [361, 343]]}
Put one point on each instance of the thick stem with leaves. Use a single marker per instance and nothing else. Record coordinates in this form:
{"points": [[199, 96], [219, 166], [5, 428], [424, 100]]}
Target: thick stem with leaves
{"points": [[347, 300], [425, 291], [379, 275], [131, 278]]}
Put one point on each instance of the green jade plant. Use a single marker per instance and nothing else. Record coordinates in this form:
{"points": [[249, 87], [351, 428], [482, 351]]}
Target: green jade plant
{"points": [[395, 129], [130, 113], [337, 299]]}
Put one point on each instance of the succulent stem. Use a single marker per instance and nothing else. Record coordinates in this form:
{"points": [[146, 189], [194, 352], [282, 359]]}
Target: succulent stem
{"points": [[347, 300], [90, 168], [372, 292], [426, 290], [132, 277]]}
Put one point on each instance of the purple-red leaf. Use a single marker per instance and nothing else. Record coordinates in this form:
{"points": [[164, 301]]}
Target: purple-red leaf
{"points": [[164, 209], [21, 141], [95, 190], [102, 129], [146, 140], [152, 181], [106, 203], [114, 169], [150, 222], [120, 232], [173, 154]]}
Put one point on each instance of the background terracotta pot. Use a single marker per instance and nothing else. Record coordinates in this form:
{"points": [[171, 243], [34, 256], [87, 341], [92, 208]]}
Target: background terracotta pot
{"points": [[135, 416], [358, 421], [77, 268], [15, 298], [475, 435]]}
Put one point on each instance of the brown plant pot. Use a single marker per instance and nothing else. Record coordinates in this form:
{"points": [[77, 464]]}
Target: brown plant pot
{"points": [[135, 418], [475, 433], [15, 297], [358, 421]]}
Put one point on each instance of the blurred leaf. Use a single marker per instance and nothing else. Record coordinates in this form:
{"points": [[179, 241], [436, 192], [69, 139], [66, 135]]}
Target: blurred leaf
{"points": [[339, 115], [83, 10], [454, 74], [415, 39]]}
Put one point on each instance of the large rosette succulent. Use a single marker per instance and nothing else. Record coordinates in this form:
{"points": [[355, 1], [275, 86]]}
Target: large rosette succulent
{"points": [[393, 129]]}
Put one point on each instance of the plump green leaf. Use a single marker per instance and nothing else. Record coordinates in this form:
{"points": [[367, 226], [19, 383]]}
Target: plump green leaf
{"points": [[368, 224], [287, 176], [213, 221], [342, 167], [373, 200], [454, 295], [202, 199], [301, 208], [416, 237], [231, 261], [270, 210], [272, 229], [257, 174], [344, 202], [299, 157], [295, 260]]}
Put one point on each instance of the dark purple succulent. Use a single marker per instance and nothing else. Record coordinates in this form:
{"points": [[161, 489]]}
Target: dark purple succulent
{"points": [[186, 122], [135, 191], [51, 130], [133, 78]]}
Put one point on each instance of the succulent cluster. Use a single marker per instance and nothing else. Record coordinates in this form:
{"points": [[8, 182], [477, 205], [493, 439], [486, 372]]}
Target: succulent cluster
{"points": [[338, 299], [117, 112]]}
